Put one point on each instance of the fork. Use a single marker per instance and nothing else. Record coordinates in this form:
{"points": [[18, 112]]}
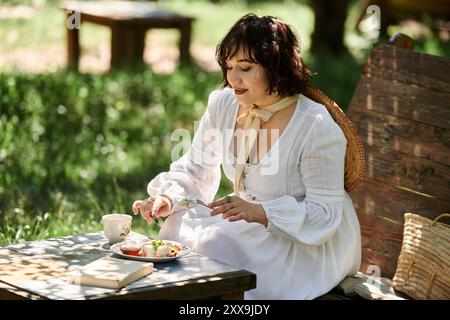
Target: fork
{"points": [[158, 219], [185, 202]]}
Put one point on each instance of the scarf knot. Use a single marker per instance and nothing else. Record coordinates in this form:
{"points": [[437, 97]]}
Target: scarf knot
{"points": [[251, 119], [255, 112]]}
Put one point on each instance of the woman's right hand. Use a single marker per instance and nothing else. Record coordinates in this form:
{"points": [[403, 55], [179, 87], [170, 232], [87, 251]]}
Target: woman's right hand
{"points": [[155, 206]]}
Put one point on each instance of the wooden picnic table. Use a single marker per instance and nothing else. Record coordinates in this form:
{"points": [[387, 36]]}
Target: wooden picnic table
{"points": [[129, 21], [39, 269]]}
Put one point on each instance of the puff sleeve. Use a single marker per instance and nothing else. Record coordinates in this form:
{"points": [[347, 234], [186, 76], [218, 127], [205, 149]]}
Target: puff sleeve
{"points": [[314, 220]]}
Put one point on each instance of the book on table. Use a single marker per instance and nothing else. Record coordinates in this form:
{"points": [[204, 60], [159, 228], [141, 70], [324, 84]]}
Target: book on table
{"points": [[111, 273]]}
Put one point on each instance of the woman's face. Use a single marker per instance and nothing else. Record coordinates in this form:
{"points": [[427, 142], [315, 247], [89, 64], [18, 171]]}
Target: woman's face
{"points": [[249, 81]]}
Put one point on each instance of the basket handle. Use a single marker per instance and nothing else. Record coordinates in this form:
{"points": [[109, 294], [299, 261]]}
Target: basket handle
{"points": [[441, 216]]}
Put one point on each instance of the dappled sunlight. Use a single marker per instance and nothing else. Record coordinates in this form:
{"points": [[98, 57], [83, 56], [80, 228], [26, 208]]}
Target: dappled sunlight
{"points": [[397, 145], [394, 61], [370, 165], [46, 272], [417, 149], [370, 134], [395, 105], [369, 205], [369, 101], [17, 268], [58, 288]]}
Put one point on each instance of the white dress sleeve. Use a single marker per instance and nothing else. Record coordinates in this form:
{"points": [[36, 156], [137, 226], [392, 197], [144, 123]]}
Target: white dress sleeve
{"points": [[315, 219], [197, 173]]}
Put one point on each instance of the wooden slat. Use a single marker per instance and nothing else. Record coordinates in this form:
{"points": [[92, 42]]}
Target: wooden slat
{"points": [[380, 209], [373, 257], [397, 64], [380, 254], [226, 286], [381, 227], [409, 161], [404, 100], [422, 175], [381, 240], [379, 199], [404, 124], [404, 136]]}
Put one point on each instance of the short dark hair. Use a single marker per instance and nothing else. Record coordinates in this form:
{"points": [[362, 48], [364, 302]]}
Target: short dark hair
{"points": [[271, 43]]}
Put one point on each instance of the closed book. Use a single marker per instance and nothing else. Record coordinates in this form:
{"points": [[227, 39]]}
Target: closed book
{"points": [[110, 273]]}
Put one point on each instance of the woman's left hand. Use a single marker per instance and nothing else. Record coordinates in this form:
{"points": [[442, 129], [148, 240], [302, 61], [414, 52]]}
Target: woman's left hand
{"points": [[234, 208]]}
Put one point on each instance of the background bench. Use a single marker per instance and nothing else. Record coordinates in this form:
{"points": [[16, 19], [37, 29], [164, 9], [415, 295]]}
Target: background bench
{"points": [[129, 21], [401, 108]]}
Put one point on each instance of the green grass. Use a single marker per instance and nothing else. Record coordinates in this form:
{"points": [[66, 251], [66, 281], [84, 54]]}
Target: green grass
{"points": [[76, 146]]}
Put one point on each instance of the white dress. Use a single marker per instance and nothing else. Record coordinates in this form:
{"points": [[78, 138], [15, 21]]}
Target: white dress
{"points": [[312, 241]]}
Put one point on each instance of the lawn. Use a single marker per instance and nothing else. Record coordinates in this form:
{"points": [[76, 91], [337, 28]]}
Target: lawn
{"points": [[75, 146]]}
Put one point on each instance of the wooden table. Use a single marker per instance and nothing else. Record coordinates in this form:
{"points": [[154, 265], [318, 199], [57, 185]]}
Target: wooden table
{"points": [[38, 270], [128, 22]]}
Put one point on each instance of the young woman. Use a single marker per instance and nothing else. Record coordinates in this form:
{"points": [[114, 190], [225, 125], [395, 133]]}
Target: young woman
{"points": [[289, 219]]}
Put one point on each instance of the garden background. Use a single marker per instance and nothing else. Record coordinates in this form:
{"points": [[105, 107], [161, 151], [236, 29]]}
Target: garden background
{"points": [[77, 145]]}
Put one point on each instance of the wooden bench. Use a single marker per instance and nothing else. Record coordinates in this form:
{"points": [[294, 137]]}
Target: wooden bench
{"points": [[401, 108], [128, 21]]}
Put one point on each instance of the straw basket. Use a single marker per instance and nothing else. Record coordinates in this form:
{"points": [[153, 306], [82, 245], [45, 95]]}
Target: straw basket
{"points": [[423, 265], [355, 160]]}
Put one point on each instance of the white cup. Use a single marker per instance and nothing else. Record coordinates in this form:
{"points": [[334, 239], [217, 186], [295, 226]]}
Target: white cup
{"points": [[116, 226]]}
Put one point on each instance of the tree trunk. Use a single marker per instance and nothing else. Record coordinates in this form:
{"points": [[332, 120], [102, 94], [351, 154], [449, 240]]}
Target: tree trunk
{"points": [[329, 25]]}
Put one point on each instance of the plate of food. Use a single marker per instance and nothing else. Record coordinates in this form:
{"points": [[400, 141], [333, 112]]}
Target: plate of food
{"points": [[152, 250]]}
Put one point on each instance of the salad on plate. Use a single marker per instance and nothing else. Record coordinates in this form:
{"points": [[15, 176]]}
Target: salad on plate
{"points": [[156, 250]]}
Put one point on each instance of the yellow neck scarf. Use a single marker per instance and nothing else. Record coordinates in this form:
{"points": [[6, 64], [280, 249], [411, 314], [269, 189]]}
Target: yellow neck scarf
{"points": [[251, 119]]}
